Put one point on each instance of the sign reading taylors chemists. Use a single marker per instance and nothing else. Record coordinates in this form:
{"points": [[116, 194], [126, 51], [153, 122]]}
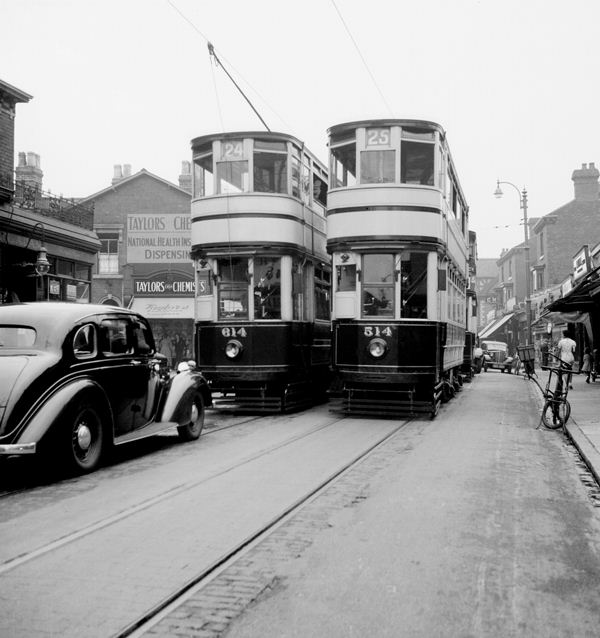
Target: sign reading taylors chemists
{"points": [[158, 239], [164, 284]]}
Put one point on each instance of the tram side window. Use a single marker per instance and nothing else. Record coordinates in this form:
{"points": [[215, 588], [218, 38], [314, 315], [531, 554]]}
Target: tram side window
{"points": [[377, 167], [343, 165], [417, 163], [346, 278], [319, 191], [204, 183], [267, 289], [270, 167], [378, 285], [233, 288], [322, 293], [413, 285]]}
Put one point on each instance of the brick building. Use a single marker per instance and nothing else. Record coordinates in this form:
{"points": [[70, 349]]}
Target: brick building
{"points": [[143, 223], [47, 243]]}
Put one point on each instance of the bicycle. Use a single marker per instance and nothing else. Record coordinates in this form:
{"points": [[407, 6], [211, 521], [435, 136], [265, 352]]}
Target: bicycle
{"points": [[557, 409]]}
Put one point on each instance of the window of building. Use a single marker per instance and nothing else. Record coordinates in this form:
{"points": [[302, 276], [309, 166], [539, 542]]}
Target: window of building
{"points": [[108, 256]]}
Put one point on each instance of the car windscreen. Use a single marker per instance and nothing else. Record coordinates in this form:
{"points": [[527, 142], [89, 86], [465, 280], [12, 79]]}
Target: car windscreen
{"points": [[16, 337]]}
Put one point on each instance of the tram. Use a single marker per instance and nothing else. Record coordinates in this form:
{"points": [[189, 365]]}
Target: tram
{"points": [[397, 230], [263, 274]]}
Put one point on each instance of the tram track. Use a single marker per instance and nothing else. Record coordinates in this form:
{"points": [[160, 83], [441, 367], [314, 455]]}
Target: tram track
{"points": [[172, 602], [16, 561]]}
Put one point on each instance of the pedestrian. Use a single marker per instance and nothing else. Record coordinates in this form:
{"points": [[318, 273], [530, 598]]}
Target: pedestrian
{"points": [[566, 353], [587, 364], [477, 359]]}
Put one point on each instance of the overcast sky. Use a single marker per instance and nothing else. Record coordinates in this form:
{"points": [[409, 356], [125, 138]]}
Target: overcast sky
{"points": [[513, 83]]}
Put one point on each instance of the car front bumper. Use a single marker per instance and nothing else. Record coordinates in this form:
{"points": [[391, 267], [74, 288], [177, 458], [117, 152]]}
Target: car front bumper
{"points": [[10, 449]]}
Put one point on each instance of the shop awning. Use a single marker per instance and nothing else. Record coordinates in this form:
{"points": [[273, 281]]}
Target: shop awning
{"points": [[584, 297], [164, 307], [495, 326]]}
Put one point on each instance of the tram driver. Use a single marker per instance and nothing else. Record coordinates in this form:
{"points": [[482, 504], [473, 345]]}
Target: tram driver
{"points": [[267, 295]]}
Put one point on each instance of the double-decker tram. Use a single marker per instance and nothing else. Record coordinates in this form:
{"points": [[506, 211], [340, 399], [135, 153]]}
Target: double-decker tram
{"points": [[263, 275], [397, 229]]}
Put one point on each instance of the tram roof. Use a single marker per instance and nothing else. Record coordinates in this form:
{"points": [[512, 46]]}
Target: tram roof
{"points": [[274, 135], [349, 126]]}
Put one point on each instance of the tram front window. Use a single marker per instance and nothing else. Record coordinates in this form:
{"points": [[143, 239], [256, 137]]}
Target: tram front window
{"points": [[232, 177], [233, 288], [413, 285], [377, 167], [267, 289], [378, 285]]}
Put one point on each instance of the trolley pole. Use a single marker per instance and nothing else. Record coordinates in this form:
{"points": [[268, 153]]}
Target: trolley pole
{"points": [[523, 205]]}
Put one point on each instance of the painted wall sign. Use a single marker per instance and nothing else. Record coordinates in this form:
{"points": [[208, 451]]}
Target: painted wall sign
{"points": [[158, 238], [164, 285]]}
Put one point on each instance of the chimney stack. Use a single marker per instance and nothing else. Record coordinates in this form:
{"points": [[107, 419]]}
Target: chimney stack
{"points": [[585, 181], [117, 174], [185, 179], [126, 170], [29, 171]]}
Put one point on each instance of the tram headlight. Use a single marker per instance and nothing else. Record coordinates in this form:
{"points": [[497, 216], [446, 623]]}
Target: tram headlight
{"points": [[233, 348], [377, 348]]}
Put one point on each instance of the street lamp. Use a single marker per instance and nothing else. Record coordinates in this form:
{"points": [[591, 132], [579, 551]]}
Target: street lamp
{"points": [[523, 204]]}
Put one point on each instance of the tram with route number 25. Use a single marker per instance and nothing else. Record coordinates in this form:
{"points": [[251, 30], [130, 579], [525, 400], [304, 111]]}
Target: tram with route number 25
{"points": [[263, 275], [397, 230]]}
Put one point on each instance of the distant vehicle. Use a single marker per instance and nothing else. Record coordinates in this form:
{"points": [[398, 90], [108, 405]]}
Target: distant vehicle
{"points": [[496, 357], [76, 379]]}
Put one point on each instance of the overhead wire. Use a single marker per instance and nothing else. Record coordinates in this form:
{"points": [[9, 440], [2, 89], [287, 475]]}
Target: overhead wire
{"points": [[219, 60], [362, 57]]}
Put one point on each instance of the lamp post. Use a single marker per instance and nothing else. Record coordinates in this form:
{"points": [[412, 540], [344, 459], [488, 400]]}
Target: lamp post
{"points": [[523, 204]]}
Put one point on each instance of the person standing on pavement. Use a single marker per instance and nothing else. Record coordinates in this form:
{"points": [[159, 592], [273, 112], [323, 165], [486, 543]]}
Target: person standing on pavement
{"points": [[478, 359], [566, 352], [587, 364]]}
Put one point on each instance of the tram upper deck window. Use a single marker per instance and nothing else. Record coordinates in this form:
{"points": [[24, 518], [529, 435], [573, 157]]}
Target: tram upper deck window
{"points": [[233, 288], [270, 166], [267, 289], [378, 278], [417, 156], [377, 167], [232, 170], [204, 183], [343, 162], [319, 191], [413, 285]]}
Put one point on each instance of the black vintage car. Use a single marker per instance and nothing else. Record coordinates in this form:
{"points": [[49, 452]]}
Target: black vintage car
{"points": [[76, 379]]}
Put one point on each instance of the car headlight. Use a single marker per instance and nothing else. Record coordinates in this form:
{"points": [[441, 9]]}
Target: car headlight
{"points": [[233, 348], [377, 348]]}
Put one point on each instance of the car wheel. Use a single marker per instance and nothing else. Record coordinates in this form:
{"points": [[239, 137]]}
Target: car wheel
{"points": [[83, 449], [192, 430]]}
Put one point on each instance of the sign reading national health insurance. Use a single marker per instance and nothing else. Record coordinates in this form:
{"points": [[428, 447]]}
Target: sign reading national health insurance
{"points": [[158, 239]]}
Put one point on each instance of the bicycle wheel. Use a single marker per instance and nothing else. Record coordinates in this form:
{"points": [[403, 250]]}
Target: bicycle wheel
{"points": [[555, 413]]}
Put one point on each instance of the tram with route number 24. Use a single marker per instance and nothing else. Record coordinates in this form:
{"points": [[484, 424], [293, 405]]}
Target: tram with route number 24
{"points": [[397, 230], [263, 275]]}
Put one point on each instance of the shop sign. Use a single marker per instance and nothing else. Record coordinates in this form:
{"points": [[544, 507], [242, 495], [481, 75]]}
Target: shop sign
{"points": [[159, 239], [581, 263], [54, 287], [165, 285]]}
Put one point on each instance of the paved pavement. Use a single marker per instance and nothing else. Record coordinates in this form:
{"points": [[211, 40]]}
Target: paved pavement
{"points": [[584, 425]]}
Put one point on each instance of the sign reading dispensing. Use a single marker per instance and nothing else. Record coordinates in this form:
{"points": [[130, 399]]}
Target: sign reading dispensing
{"points": [[158, 238]]}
